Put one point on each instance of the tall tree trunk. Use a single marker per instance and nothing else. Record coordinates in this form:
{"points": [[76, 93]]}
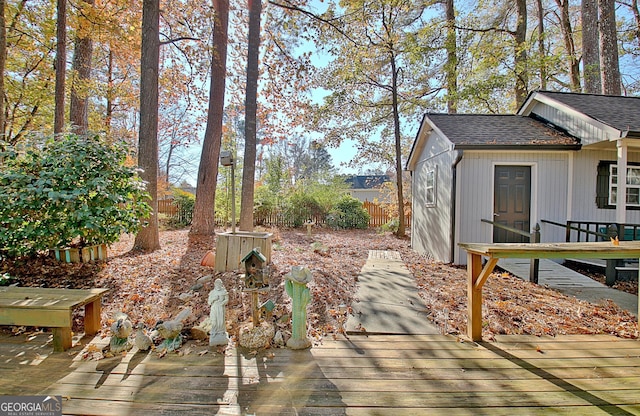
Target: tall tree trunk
{"points": [[542, 49], [167, 166], [148, 237], [590, 47], [569, 44], [204, 208], [61, 67], [110, 93], [522, 74], [3, 64], [609, 63], [636, 16], [398, 145], [452, 59], [250, 125], [79, 102]]}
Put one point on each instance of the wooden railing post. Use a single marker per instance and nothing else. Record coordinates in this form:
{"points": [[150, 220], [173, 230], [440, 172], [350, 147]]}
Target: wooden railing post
{"points": [[613, 230], [534, 267]]}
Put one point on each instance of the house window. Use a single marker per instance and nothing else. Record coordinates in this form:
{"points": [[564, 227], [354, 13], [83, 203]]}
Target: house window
{"points": [[607, 185], [633, 185], [431, 188]]}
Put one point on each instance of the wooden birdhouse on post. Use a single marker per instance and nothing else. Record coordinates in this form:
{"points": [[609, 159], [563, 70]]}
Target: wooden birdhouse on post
{"points": [[256, 270], [256, 279]]}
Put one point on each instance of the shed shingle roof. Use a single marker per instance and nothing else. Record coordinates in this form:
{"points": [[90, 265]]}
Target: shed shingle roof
{"points": [[619, 112], [472, 130]]}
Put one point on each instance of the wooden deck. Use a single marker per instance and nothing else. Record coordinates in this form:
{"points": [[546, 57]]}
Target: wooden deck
{"points": [[364, 375]]}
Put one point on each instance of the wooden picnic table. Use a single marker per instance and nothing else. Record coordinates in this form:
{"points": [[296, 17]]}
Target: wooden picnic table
{"points": [[51, 308], [477, 274]]}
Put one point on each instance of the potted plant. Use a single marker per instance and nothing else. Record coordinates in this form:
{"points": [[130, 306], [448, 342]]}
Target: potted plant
{"points": [[72, 194]]}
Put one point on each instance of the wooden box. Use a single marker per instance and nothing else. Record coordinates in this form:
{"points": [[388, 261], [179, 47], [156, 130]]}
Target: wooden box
{"points": [[232, 247]]}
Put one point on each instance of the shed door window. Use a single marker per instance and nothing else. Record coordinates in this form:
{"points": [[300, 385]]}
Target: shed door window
{"points": [[633, 185], [430, 187]]}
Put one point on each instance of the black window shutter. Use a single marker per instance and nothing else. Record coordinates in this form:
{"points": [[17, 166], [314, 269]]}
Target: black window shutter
{"points": [[602, 185]]}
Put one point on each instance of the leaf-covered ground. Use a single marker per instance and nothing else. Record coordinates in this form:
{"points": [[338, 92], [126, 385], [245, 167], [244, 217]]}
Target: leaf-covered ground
{"points": [[157, 285]]}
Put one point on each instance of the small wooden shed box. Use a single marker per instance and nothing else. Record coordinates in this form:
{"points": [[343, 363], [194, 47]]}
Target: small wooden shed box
{"points": [[256, 270], [231, 247]]}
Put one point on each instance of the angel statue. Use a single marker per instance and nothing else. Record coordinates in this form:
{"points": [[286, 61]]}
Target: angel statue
{"points": [[218, 299]]}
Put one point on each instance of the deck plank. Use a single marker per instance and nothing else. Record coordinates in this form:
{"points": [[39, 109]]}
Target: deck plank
{"points": [[361, 375]]}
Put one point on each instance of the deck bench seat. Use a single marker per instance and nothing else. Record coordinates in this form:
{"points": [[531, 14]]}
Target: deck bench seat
{"points": [[51, 308]]}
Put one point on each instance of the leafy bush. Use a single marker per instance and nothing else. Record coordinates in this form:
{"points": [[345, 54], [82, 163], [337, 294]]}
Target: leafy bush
{"points": [[348, 213], [185, 203], [67, 190], [392, 225], [303, 207], [6, 279]]}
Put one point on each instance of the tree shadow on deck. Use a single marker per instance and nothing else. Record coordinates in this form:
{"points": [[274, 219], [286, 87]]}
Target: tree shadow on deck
{"points": [[590, 398], [286, 382], [28, 363]]}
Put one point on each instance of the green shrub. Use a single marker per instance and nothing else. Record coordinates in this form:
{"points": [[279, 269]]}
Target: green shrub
{"points": [[6, 279], [303, 207], [391, 225], [348, 213], [185, 203], [67, 190]]}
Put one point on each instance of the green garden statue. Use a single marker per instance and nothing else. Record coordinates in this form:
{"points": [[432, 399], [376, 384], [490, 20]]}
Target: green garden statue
{"points": [[296, 286]]}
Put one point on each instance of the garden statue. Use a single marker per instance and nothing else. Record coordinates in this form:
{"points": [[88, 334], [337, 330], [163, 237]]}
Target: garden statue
{"points": [[120, 331], [218, 299], [142, 340], [296, 287], [171, 331]]}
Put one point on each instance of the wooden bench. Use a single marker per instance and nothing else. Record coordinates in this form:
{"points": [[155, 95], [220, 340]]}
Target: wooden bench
{"points": [[477, 274], [51, 308]]}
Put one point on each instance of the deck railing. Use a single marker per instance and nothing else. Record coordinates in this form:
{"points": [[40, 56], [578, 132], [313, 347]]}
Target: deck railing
{"points": [[578, 231]]}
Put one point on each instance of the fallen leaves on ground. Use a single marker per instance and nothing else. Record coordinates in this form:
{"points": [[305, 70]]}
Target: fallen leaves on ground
{"points": [[155, 286]]}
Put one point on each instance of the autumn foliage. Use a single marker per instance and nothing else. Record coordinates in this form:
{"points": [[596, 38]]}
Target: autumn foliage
{"points": [[153, 286]]}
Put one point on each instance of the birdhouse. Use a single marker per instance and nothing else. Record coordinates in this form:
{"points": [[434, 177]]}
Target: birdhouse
{"points": [[256, 270], [226, 158]]}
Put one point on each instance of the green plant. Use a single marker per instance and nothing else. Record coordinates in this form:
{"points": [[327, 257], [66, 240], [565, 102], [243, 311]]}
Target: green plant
{"points": [[185, 203], [391, 225], [6, 279], [348, 213], [303, 207], [68, 190]]}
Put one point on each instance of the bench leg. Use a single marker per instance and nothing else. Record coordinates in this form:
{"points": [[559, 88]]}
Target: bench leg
{"points": [[476, 278], [61, 339], [92, 317], [474, 294]]}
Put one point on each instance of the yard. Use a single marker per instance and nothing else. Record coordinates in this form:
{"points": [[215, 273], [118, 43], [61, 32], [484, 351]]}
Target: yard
{"points": [[154, 286]]}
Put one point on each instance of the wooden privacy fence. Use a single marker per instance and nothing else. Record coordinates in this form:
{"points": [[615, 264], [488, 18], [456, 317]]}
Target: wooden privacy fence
{"points": [[378, 215], [172, 209]]}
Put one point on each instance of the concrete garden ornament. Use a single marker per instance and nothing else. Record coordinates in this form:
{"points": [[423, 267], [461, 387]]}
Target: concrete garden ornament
{"points": [[218, 299], [171, 331], [296, 287]]}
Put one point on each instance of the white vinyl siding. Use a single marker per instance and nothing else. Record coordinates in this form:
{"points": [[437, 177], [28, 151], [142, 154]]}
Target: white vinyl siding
{"points": [[589, 131], [431, 223], [549, 188]]}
